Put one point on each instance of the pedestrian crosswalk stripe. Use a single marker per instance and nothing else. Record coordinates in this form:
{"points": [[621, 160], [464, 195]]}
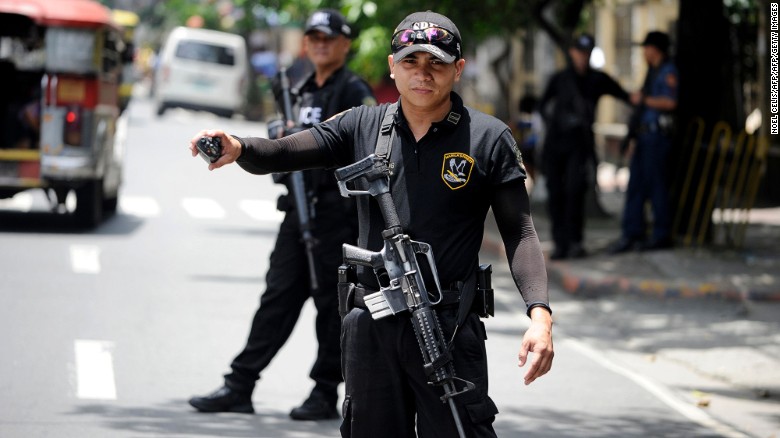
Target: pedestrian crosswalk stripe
{"points": [[203, 208], [20, 202], [85, 259], [141, 206], [95, 370], [261, 210]]}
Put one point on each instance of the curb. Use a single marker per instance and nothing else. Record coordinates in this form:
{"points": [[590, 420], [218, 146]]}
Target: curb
{"points": [[593, 283]]}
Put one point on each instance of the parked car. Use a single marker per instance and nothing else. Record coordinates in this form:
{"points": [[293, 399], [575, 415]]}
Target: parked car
{"points": [[203, 70]]}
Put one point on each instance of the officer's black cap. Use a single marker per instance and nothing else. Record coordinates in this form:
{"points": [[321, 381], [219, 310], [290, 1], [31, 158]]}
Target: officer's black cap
{"points": [[658, 40], [329, 22], [448, 52], [584, 43]]}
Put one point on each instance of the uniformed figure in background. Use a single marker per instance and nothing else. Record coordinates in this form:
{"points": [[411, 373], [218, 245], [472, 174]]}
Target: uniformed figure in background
{"points": [[451, 164], [569, 159], [330, 89], [649, 169]]}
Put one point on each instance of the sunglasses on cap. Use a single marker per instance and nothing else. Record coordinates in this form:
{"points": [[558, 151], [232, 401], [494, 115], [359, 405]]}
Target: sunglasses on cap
{"points": [[431, 35]]}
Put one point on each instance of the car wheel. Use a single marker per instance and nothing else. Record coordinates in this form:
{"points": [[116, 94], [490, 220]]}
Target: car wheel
{"points": [[89, 204]]}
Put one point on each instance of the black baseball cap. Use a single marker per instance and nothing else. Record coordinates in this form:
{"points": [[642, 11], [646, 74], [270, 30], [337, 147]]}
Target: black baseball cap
{"points": [[657, 39], [329, 22], [584, 43], [427, 31]]}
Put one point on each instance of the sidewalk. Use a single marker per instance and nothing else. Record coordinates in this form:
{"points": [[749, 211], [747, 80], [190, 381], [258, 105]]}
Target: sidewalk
{"points": [[749, 273]]}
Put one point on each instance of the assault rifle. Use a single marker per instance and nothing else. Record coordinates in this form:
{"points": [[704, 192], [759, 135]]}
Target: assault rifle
{"points": [[402, 287], [298, 187]]}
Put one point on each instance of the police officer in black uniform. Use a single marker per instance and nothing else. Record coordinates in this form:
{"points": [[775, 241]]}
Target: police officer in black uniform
{"points": [[450, 165], [330, 89], [569, 159]]}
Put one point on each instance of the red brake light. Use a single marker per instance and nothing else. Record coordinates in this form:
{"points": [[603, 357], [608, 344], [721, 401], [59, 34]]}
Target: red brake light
{"points": [[72, 132]]}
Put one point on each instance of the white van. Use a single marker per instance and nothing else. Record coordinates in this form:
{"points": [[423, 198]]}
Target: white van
{"points": [[203, 70]]}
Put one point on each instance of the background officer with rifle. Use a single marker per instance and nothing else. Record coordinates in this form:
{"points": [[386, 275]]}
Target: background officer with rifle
{"points": [[307, 252], [429, 168]]}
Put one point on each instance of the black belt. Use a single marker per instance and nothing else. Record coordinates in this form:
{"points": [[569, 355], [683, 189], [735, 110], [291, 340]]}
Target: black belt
{"points": [[449, 297]]}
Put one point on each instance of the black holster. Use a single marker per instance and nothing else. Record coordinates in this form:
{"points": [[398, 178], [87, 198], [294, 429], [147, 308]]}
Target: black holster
{"points": [[346, 289], [484, 300]]}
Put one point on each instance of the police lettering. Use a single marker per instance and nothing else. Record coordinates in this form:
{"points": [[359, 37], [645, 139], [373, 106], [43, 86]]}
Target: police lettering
{"points": [[310, 115]]}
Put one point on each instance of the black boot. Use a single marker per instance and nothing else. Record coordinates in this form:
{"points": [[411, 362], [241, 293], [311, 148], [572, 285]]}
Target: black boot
{"points": [[576, 251], [224, 400], [625, 244], [320, 405]]}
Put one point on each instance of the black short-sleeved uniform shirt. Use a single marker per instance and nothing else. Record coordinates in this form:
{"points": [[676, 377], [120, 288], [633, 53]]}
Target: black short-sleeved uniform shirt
{"points": [[341, 91], [441, 185], [575, 98], [314, 104]]}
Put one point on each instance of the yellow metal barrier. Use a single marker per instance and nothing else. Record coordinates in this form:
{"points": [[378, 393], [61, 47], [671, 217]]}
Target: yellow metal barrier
{"points": [[717, 137], [754, 179], [698, 123], [733, 187], [725, 179]]}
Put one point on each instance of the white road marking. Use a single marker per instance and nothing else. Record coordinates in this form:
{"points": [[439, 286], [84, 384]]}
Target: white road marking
{"points": [[95, 370], [85, 259], [261, 210], [203, 208], [657, 390], [141, 206], [19, 202]]}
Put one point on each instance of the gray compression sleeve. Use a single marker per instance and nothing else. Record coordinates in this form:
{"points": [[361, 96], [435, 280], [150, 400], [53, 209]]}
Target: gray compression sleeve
{"points": [[511, 208], [298, 151]]}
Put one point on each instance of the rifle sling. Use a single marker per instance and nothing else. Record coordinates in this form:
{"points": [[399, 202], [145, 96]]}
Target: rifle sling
{"points": [[468, 288], [384, 143]]}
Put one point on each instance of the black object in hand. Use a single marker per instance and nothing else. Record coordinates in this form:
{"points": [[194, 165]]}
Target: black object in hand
{"points": [[209, 148]]}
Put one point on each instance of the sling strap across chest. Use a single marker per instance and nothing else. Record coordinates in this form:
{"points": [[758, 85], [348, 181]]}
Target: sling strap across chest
{"points": [[470, 288]]}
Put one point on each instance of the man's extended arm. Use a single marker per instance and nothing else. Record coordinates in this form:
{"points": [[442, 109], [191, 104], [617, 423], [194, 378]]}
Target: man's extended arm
{"points": [[262, 156]]}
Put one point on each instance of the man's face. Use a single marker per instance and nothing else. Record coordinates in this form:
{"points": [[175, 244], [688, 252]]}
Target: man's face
{"points": [[579, 58], [326, 50], [652, 54], [424, 80]]}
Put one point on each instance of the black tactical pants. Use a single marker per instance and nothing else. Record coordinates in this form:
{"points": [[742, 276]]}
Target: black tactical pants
{"points": [[568, 170], [387, 392], [288, 288]]}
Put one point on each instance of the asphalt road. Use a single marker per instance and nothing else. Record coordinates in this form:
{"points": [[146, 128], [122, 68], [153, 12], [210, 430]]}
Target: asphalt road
{"points": [[107, 332]]}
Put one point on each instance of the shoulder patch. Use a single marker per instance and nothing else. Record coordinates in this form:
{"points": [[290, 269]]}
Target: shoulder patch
{"points": [[518, 156], [456, 169], [671, 80], [338, 114]]}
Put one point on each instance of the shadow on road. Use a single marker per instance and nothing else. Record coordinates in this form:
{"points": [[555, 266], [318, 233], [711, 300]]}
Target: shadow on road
{"points": [[171, 419], [560, 424], [57, 223]]}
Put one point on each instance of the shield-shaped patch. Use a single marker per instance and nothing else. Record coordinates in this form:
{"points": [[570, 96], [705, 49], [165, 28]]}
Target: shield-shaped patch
{"points": [[456, 169]]}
